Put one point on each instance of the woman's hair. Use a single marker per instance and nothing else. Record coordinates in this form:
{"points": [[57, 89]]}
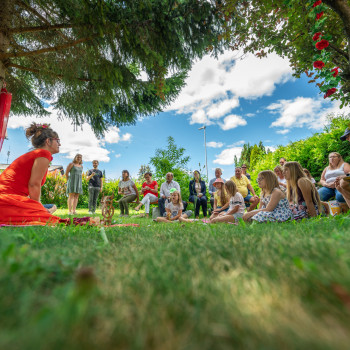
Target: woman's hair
{"points": [[231, 188], [278, 167], [75, 158], [148, 173], [341, 161], [126, 171], [271, 181], [297, 173], [39, 133], [223, 194], [179, 196], [196, 171]]}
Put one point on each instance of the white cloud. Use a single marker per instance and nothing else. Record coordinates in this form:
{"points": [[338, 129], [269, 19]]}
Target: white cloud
{"points": [[118, 155], [227, 156], [83, 140], [283, 131], [214, 144], [232, 121], [214, 86], [304, 112]]}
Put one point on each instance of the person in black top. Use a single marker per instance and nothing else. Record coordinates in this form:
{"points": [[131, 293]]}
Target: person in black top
{"points": [[95, 178], [198, 192]]}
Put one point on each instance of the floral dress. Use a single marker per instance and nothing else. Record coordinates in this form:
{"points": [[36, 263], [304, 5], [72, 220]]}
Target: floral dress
{"points": [[281, 213], [299, 209]]}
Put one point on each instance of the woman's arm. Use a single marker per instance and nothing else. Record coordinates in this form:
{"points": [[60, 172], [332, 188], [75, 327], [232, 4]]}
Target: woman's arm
{"points": [[250, 214], [155, 189], [233, 211], [323, 179], [137, 193], [39, 170], [190, 187], [215, 204], [306, 190], [276, 196], [69, 167]]}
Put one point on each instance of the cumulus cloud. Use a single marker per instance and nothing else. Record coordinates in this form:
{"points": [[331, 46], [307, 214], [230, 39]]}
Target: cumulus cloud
{"points": [[227, 156], [303, 112], [283, 131], [232, 121], [214, 144], [214, 86], [82, 140], [118, 155]]}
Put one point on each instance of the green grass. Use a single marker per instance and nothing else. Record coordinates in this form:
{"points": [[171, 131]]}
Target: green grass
{"points": [[173, 286]]}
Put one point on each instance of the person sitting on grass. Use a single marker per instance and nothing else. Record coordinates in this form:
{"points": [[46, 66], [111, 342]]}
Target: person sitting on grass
{"points": [[51, 208], [174, 208], [274, 205], [150, 193], [236, 208], [221, 200], [302, 195]]}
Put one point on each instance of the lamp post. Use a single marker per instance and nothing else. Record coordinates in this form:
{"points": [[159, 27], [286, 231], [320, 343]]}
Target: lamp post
{"points": [[205, 147]]}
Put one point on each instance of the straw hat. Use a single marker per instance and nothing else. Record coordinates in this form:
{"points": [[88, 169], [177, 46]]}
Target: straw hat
{"points": [[219, 180]]}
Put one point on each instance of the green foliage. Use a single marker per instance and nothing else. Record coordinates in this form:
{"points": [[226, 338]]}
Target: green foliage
{"points": [[87, 57], [312, 153], [177, 286]]}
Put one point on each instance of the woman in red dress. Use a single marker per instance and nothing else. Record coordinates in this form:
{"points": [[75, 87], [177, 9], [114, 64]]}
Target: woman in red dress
{"points": [[21, 182]]}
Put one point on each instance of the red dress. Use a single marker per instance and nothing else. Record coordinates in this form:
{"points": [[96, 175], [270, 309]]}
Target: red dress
{"points": [[16, 208]]}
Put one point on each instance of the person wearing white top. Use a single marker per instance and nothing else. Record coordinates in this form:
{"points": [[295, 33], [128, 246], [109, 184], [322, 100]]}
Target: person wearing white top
{"points": [[164, 193], [282, 182], [336, 168]]}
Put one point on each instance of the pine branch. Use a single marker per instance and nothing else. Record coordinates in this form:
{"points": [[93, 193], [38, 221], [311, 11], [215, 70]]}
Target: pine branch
{"points": [[40, 28], [45, 50], [38, 71]]}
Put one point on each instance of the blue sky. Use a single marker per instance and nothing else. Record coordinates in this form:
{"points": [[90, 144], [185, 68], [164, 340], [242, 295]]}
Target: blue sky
{"points": [[238, 99]]}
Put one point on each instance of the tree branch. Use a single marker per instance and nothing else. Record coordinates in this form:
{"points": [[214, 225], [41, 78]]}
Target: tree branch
{"points": [[38, 71], [40, 28], [37, 14], [335, 48], [45, 50]]}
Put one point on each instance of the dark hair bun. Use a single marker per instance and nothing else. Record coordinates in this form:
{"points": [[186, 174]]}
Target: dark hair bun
{"points": [[31, 130]]}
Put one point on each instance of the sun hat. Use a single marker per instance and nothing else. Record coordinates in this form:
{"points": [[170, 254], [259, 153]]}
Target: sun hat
{"points": [[346, 133], [172, 190], [219, 180]]}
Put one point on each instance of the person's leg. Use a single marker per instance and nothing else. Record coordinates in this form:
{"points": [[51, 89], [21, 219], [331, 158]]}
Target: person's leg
{"points": [[161, 206], [196, 202], [326, 193], [204, 204], [184, 203], [121, 205], [127, 200], [95, 197], [162, 219], [75, 202], [91, 198], [150, 198], [70, 203], [223, 218], [212, 202], [253, 203]]}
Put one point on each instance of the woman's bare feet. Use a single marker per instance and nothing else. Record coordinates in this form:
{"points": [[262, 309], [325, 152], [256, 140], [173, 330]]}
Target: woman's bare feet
{"points": [[137, 208]]}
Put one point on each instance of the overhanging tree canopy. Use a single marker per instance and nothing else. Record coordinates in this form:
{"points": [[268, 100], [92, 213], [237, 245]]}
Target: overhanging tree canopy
{"points": [[86, 56], [286, 27]]}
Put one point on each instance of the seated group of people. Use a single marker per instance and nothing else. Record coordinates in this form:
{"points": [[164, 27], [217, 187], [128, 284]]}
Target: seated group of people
{"points": [[286, 193]]}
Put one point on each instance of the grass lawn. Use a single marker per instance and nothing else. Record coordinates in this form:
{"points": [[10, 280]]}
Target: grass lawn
{"points": [[173, 286]]}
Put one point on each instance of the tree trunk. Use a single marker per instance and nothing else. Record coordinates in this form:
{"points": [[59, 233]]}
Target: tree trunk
{"points": [[5, 20]]}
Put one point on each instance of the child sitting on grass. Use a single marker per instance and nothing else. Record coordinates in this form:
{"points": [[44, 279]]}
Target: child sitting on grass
{"points": [[221, 199], [236, 208], [174, 209], [274, 205]]}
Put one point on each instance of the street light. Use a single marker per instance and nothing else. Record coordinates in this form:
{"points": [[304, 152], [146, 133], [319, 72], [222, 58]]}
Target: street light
{"points": [[205, 147]]}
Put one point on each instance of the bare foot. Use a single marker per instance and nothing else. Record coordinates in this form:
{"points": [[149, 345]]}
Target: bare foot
{"points": [[138, 207]]}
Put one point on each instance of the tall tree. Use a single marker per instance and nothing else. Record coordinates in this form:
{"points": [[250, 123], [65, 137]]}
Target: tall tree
{"points": [[286, 27], [105, 62], [171, 159]]}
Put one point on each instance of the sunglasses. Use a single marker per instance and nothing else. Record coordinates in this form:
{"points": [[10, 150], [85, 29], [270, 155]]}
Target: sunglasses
{"points": [[259, 179], [56, 139]]}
